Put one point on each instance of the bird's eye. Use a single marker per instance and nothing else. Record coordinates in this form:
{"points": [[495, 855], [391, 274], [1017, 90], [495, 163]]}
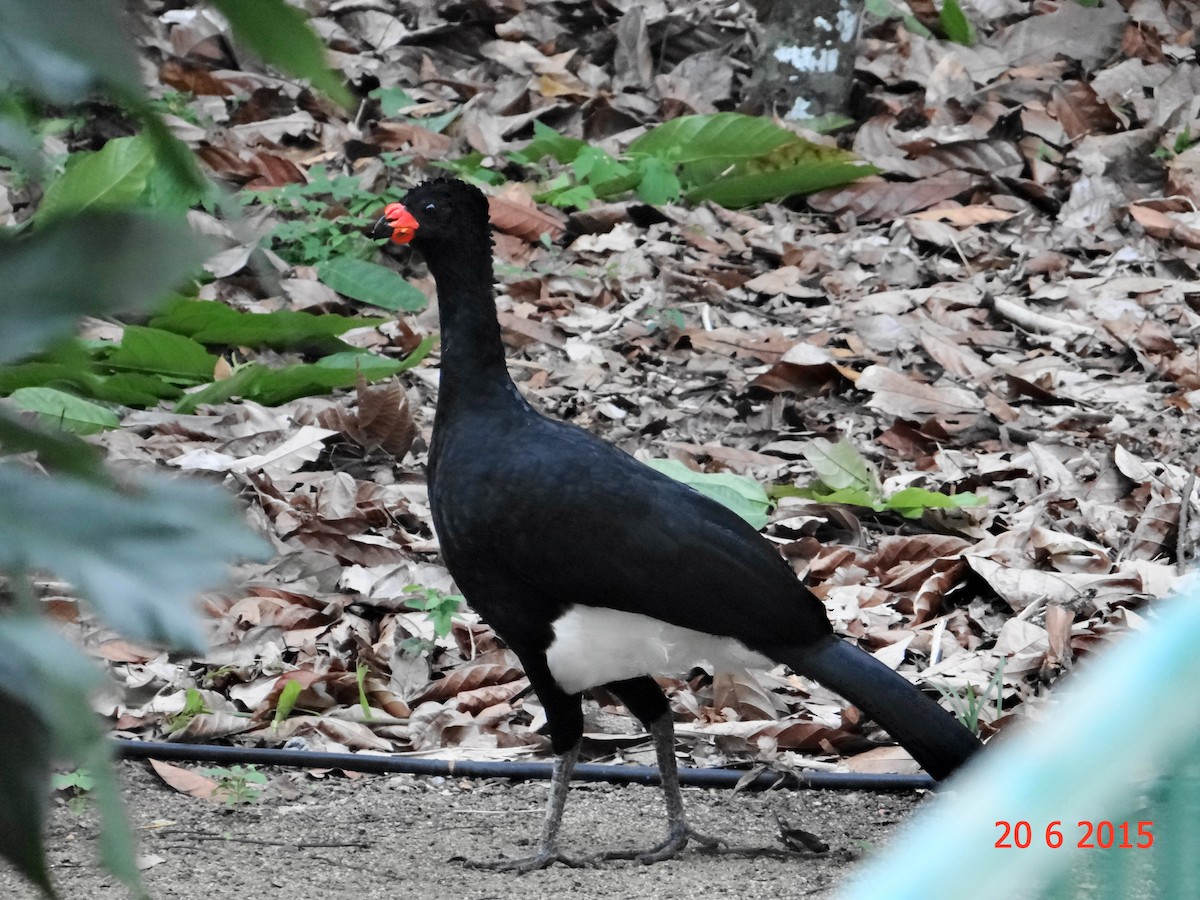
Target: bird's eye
{"points": [[430, 206]]}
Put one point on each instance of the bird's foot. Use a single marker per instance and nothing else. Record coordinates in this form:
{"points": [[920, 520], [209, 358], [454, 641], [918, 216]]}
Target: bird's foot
{"points": [[676, 841], [543, 859]]}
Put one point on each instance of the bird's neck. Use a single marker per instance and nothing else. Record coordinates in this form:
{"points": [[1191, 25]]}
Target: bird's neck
{"points": [[473, 371]]}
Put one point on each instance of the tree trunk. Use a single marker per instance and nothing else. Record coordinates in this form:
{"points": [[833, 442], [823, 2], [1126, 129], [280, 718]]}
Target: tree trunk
{"points": [[805, 62]]}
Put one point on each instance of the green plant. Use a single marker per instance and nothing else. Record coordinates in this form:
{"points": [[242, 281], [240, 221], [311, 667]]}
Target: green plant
{"points": [[310, 235], [109, 238], [728, 158], [76, 785], [844, 476], [968, 705], [237, 784], [440, 607], [193, 705]]}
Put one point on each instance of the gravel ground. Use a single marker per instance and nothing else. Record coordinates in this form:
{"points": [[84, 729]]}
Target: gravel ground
{"points": [[406, 836]]}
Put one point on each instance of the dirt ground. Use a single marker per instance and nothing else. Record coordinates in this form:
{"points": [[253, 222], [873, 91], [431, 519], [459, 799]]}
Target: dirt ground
{"points": [[407, 836]]}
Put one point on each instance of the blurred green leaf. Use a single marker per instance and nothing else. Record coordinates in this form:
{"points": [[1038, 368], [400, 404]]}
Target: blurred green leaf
{"points": [[58, 409], [45, 683], [63, 50], [281, 35], [743, 495], [50, 278], [372, 283], [139, 556], [112, 178]]}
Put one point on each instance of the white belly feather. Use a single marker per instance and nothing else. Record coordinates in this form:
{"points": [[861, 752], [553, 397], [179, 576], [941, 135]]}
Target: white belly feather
{"points": [[593, 646]]}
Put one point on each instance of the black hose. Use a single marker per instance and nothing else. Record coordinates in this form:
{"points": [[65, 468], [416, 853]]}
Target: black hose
{"points": [[517, 771]]}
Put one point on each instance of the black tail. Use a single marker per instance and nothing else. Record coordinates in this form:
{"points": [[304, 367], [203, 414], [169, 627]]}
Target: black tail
{"points": [[933, 736]]}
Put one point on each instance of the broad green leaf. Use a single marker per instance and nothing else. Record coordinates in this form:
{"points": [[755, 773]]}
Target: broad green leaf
{"points": [[59, 409], [210, 322], [371, 365], [281, 35], [271, 387], [912, 502], [63, 50], [841, 466], [113, 177], [726, 135], [46, 682], [372, 283], [163, 353], [139, 556], [659, 184], [744, 496], [955, 24], [749, 189], [51, 277]]}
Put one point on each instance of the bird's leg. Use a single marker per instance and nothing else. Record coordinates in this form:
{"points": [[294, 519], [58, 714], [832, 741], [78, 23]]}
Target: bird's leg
{"points": [[662, 729], [547, 851]]}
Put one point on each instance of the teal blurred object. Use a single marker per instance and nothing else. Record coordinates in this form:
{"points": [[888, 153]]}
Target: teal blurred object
{"points": [[1119, 744]]}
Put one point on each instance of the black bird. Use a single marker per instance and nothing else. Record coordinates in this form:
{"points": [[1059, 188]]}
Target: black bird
{"points": [[597, 570]]}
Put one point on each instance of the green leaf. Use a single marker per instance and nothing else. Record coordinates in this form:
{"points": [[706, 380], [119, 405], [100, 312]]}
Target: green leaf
{"points": [[371, 365], [63, 50], [25, 753], [287, 701], [139, 556], [841, 466], [163, 353], [210, 322], [281, 35], [744, 496], [66, 411], [726, 135], [113, 177], [548, 142], [955, 24], [57, 451], [372, 283], [51, 278], [659, 184], [912, 502], [45, 682], [752, 188], [392, 99]]}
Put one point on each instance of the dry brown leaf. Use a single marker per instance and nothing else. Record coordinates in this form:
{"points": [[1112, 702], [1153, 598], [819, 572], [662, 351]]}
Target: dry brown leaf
{"points": [[524, 220], [871, 200], [186, 781], [900, 395]]}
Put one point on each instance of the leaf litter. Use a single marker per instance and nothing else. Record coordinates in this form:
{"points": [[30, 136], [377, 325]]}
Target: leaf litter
{"points": [[1009, 308]]}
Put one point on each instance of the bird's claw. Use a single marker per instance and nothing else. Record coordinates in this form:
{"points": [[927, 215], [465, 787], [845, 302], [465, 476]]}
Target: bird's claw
{"points": [[543, 859], [676, 841]]}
